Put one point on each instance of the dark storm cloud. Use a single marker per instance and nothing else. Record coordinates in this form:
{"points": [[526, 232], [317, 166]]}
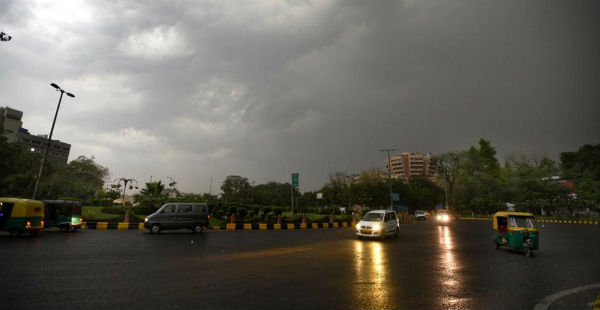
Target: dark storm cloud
{"points": [[200, 89]]}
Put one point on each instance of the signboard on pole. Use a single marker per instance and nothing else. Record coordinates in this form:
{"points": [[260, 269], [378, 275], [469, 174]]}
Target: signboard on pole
{"points": [[295, 179], [396, 197]]}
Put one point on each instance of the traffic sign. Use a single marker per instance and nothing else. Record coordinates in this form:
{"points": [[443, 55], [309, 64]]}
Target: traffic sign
{"points": [[396, 197], [295, 179]]}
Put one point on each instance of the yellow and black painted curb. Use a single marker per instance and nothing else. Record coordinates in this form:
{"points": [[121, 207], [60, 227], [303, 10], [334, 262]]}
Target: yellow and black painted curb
{"points": [[237, 226], [288, 226], [580, 222]]}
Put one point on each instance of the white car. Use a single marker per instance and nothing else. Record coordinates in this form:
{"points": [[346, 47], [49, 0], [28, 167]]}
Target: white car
{"points": [[421, 215], [378, 224]]}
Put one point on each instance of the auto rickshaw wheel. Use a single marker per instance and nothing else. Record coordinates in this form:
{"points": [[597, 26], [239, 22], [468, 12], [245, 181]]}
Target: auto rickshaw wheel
{"points": [[397, 233], [528, 252], [33, 233], [496, 244]]}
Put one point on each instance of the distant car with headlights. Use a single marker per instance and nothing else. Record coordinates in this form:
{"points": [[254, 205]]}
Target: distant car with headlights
{"points": [[378, 224], [443, 217], [420, 215]]}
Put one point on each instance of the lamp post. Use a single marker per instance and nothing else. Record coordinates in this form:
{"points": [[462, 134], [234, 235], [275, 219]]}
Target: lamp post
{"points": [[125, 181], [39, 175], [350, 193], [389, 164]]}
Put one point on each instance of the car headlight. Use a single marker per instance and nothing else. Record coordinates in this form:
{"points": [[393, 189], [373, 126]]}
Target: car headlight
{"points": [[445, 218], [357, 226], [146, 220], [439, 217], [376, 227]]}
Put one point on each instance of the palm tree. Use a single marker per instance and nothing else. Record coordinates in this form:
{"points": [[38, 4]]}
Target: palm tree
{"points": [[153, 189], [151, 197]]}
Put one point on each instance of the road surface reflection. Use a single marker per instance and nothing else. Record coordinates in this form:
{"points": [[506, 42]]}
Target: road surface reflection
{"points": [[372, 287], [451, 280]]}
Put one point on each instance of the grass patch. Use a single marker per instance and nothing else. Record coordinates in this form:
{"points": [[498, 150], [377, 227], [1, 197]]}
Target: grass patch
{"points": [[95, 214]]}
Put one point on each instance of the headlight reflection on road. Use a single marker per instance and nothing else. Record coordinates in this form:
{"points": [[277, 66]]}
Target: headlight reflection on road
{"points": [[451, 279], [371, 289]]}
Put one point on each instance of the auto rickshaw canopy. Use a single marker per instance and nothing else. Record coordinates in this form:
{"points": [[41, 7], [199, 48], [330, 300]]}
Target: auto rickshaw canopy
{"points": [[507, 214], [24, 207]]}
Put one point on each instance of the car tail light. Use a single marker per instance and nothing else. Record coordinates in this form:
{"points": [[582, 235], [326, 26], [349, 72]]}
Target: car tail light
{"points": [[28, 224], [209, 216], [42, 222]]}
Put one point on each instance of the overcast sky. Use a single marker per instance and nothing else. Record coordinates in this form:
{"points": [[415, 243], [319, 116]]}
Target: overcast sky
{"points": [[194, 89]]}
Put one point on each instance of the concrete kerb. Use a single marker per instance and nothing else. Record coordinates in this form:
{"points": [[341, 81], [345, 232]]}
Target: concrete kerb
{"points": [[229, 226], [588, 222]]}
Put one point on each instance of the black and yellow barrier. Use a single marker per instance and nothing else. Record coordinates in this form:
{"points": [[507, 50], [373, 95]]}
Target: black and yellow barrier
{"points": [[580, 222], [236, 226], [287, 226]]}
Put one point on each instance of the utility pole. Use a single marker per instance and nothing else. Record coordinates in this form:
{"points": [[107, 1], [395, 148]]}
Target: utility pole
{"points": [[210, 189], [389, 164]]}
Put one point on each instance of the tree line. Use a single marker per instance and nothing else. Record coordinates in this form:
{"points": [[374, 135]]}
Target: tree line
{"points": [[471, 180]]}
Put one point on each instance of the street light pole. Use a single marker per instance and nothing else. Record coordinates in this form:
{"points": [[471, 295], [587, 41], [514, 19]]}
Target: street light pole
{"points": [[39, 175], [389, 164], [349, 193], [125, 181]]}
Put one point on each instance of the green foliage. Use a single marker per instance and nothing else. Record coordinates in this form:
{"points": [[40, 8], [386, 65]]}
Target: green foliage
{"points": [[583, 168], [151, 197], [242, 212], [272, 193], [81, 178], [112, 210], [236, 189]]}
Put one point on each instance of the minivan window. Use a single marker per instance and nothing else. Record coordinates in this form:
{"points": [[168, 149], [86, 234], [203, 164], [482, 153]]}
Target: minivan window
{"points": [[199, 208], [387, 217], [184, 209], [393, 216], [168, 209]]}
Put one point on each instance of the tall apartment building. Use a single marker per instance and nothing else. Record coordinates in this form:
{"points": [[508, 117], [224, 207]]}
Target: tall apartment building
{"points": [[408, 165], [11, 123]]}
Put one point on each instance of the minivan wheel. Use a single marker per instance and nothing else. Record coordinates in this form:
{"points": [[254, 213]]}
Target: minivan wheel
{"points": [[197, 229], [155, 229]]}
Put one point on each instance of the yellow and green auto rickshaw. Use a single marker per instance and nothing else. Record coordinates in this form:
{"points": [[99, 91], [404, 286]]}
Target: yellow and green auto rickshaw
{"points": [[516, 230], [64, 214], [20, 216]]}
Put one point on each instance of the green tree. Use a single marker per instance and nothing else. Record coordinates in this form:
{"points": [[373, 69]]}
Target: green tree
{"points": [[583, 168], [273, 194], [151, 197], [235, 189], [479, 187], [449, 167], [423, 193], [530, 184]]}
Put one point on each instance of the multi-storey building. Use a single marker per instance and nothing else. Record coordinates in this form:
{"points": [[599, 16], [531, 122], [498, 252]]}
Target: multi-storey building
{"points": [[408, 165], [11, 123]]}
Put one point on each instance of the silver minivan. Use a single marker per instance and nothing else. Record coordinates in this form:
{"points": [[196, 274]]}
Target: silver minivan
{"points": [[177, 215]]}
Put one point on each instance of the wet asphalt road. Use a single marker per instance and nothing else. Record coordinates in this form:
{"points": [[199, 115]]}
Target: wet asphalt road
{"points": [[429, 266]]}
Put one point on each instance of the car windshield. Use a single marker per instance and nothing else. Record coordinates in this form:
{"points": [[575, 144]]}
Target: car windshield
{"points": [[522, 221], [420, 211], [373, 217]]}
